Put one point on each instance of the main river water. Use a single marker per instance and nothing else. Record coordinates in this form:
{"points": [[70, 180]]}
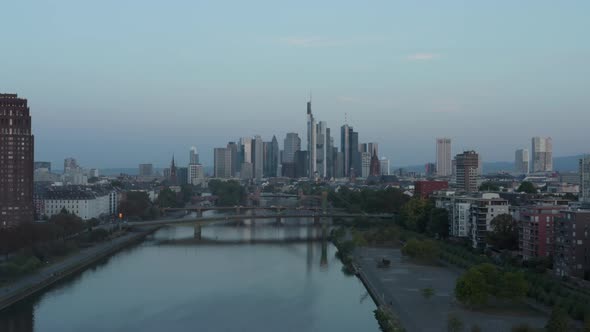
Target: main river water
{"points": [[172, 282]]}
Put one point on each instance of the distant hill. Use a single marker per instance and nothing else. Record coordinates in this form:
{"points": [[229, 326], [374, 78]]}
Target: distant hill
{"points": [[560, 164]]}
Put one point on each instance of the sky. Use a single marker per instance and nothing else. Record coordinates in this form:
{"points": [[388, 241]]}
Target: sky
{"points": [[116, 83]]}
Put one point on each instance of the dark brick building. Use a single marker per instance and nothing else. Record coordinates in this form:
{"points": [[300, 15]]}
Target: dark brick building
{"points": [[16, 161], [572, 244], [536, 227], [423, 189]]}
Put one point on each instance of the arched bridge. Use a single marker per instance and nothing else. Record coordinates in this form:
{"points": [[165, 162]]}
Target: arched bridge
{"points": [[238, 209]]}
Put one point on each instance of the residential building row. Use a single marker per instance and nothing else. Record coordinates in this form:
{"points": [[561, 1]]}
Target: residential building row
{"points": [[84, 201]]}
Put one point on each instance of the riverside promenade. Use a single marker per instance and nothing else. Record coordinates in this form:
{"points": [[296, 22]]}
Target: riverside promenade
{"points": [[51, 274]]}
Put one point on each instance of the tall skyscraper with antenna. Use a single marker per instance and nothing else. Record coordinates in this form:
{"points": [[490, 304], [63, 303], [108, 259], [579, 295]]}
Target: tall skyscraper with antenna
{"points": [[311, 141]]}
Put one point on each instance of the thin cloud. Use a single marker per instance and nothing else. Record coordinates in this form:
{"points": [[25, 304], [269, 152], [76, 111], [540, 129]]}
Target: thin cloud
{"points": [[422, 56], [316, 41], [346, 99]]}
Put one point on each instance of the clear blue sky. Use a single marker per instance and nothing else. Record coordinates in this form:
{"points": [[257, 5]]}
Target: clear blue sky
{"points": [[116, 83]]}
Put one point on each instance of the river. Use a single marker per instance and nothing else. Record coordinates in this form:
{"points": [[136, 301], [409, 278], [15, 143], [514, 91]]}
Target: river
{"points": [[172, 282]]}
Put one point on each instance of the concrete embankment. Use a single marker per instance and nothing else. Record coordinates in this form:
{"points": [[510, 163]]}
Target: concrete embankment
{"points": [[48, 276], [378, 298]]}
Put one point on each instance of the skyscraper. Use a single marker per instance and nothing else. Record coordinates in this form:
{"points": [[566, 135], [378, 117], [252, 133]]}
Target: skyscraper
{"points": [[542, 154], [222, 163], [467, 171], [193, 156], [345, 147], [16, 161], [585, 179], [245, 156], [384, 166], [443, 157], [258, 157], [196, 174], [311, 141], [322, 146], [521, 161], [292, 144], [235, 160], [271, 158], [146, 170], [70, 164], [349, 143]]}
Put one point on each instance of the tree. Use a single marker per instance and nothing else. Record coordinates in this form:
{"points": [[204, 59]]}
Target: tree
{"points": [[513, 285], [167, 198], [438, 225], [454, 323], [527, 187], [471, 288], [415, 214], [522, 328], [587, 322], [428, 293], [424, 250], [475, 328], [504, 233], [558, 321], [489, 186]]}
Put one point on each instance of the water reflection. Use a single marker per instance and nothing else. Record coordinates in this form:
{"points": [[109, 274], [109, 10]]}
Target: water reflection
{"points": [[175, 282]]}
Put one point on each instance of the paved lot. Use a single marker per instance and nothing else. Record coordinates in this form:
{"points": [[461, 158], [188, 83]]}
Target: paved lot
{"points": [[401, 286]]}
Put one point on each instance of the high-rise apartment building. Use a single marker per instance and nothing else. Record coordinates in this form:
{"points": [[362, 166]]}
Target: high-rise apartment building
{"points": [[146, 170], [467, 171], [521, 161], [542, 154], [193, 157], [572, 247], [443, 157], [585, 180], [16, 161]]}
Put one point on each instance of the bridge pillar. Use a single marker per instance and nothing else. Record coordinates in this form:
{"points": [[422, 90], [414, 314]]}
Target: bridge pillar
{"points": [[237, 210], [278, 221], [199, 213], [198, 232]]}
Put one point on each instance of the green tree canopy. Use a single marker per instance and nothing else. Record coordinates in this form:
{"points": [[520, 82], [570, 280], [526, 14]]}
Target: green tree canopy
{"points": [[558, 321], [438, 225], [527, 187], [504, 233], [489, 186], [471, 288]]}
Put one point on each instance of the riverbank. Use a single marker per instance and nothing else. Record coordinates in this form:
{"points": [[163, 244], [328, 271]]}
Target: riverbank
{"points": [[47, 276]]}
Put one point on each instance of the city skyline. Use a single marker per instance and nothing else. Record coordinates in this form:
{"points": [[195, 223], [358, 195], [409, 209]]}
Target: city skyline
{"points": [[400, 82]]}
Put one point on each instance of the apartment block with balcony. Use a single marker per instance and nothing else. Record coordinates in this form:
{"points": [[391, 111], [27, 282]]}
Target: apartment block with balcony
{"points": [[535, 230]]}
